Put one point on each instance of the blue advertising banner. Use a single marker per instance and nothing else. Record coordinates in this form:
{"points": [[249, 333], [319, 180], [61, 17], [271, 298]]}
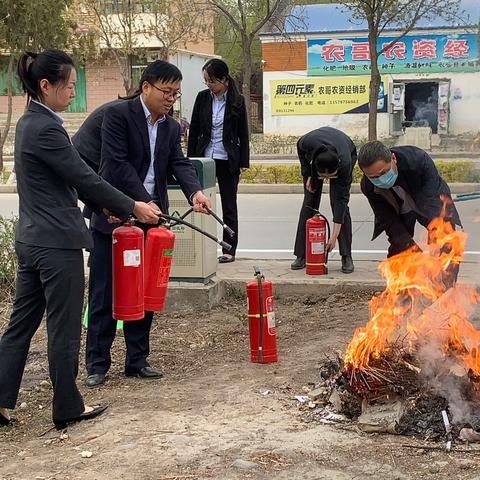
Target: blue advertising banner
{"points": [[410, 54]]}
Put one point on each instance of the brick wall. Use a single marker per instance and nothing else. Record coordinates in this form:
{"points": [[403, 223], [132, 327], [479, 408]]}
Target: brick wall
{"points": [[283, 56], [19, 103], [104, 83]]}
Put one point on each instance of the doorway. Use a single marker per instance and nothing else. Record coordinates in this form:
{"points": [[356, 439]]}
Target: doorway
{"points": [[421, 105]]}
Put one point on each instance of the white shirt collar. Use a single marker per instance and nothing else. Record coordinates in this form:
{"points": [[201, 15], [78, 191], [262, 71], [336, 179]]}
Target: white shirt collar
{"points": [[56, 115], [220, 99], [148, 115]]}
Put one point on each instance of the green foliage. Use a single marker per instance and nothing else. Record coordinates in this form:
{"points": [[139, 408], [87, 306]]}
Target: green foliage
{"points": [[287, 144], [458, 171], [8, 259], [451, 172], [27, 25], [228, 46]]}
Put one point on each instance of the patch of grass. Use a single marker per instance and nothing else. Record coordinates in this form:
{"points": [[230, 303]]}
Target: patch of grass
{"points": [[8, 258]]}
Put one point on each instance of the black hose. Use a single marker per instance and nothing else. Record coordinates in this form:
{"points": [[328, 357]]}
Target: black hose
{"points": [[177, 220], [213, 214], [260, 312]]}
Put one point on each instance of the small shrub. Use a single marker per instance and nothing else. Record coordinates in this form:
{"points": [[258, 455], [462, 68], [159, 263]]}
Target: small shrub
{"points": [[451, 172], [8, 258]]}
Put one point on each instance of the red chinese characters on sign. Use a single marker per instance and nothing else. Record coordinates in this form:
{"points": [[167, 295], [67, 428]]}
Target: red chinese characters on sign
{"points": [[456, 49], [396, 50], [332, 52], [424, 49], [360, 51]]}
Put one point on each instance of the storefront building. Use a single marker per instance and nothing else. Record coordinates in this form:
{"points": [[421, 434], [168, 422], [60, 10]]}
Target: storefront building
{"points": [[321, 77]]}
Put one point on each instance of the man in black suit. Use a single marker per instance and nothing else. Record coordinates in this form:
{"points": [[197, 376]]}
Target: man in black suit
{"points": [[403, 187], [139, 144], [326, 153]]}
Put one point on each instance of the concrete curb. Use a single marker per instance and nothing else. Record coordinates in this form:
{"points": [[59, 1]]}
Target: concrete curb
{"points": [[186, 296], [295, 188]]}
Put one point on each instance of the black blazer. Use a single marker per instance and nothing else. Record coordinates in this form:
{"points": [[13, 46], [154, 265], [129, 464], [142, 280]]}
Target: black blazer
{"points": [[235, 130], [340, 186], [51, 176], [419, 177], [88, 138], [125, 156]]}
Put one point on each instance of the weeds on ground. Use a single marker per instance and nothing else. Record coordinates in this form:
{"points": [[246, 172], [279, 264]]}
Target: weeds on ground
{"points": [[8, 259]]}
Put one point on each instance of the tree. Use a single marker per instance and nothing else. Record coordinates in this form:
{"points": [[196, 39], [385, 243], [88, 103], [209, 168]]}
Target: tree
{"points": [[176, 24], [121, 30], [246, 19], [402, 16], [27, 25]]}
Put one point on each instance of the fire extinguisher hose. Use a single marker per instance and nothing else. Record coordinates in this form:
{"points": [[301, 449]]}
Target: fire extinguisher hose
{"points": [[213, 214], [223, 244], [260, 312]]}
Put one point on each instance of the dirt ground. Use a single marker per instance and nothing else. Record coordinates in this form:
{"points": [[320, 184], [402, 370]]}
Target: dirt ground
{"points": [[211, 409]]}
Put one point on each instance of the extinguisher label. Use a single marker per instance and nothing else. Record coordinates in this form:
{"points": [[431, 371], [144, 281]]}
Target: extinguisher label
{"points": [[316, 235], [131, 258], [270, 315], [317, 248]]}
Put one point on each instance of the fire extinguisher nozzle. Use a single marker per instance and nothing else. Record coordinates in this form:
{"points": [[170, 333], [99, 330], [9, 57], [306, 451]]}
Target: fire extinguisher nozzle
{"points": [[229, 230], [225, 245]]}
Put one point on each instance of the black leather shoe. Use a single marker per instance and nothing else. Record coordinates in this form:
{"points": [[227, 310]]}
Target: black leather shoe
{"points": [[298, 264], [347, 264], [62, 424], [95, 380], [145, 372]]}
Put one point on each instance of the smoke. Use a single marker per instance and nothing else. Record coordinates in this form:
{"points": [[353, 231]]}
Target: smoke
{"points": [[442, 367]]}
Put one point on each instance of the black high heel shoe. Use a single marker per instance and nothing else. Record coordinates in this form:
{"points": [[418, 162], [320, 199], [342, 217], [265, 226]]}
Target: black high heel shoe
{"points": [[4, 421], [97, 410]]}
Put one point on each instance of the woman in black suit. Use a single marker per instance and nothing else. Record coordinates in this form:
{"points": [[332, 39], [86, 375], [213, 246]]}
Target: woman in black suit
{"points": [[219, 129], [50, 235]]}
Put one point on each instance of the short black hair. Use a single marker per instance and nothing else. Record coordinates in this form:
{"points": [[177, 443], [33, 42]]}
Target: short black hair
{"points": [[325, 160], [160, 70], [157, 70], [373, 151]]}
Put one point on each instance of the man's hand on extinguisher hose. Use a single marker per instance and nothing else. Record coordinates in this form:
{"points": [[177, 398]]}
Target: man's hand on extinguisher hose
{"points": [[333, 237], [147, 212], [201, 202]]}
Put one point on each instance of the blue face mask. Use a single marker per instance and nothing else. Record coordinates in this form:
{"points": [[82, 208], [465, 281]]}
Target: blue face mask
{"points": [[387, 180]]}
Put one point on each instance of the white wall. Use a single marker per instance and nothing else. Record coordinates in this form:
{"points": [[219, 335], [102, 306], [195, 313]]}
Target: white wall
{"points": [[464, 116], [190, 64]]}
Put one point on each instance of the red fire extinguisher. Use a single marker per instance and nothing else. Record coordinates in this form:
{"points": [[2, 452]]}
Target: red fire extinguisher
{"points": [[158, 259], [261, 320], [316, 239], [127, 273], [140, 285]]}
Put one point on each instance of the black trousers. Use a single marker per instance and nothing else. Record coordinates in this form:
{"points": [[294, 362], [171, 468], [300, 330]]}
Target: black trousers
{"points": [[101, 325], [53, 280], [228, 186], [312, 200]]}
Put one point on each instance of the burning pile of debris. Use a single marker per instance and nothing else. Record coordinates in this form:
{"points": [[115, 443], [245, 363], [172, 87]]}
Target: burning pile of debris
{"points": [[414, 368]]}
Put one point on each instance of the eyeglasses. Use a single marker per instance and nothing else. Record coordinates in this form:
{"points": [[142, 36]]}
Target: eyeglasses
{"points": [[168, 93], [212, 82]]}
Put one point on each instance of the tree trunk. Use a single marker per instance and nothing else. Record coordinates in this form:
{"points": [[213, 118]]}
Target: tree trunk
{"points": [[8, 121], [247, 75], [374, 87]]}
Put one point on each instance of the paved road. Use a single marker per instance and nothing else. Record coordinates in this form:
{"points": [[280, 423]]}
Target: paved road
{"points": [[268, 224]]}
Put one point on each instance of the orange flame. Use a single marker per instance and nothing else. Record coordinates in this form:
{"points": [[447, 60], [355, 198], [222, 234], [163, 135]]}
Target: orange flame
{"points": [[413, 308]]}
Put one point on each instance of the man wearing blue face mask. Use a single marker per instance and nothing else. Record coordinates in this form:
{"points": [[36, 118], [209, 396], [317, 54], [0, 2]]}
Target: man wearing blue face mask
{"points": [[403, 187]]}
